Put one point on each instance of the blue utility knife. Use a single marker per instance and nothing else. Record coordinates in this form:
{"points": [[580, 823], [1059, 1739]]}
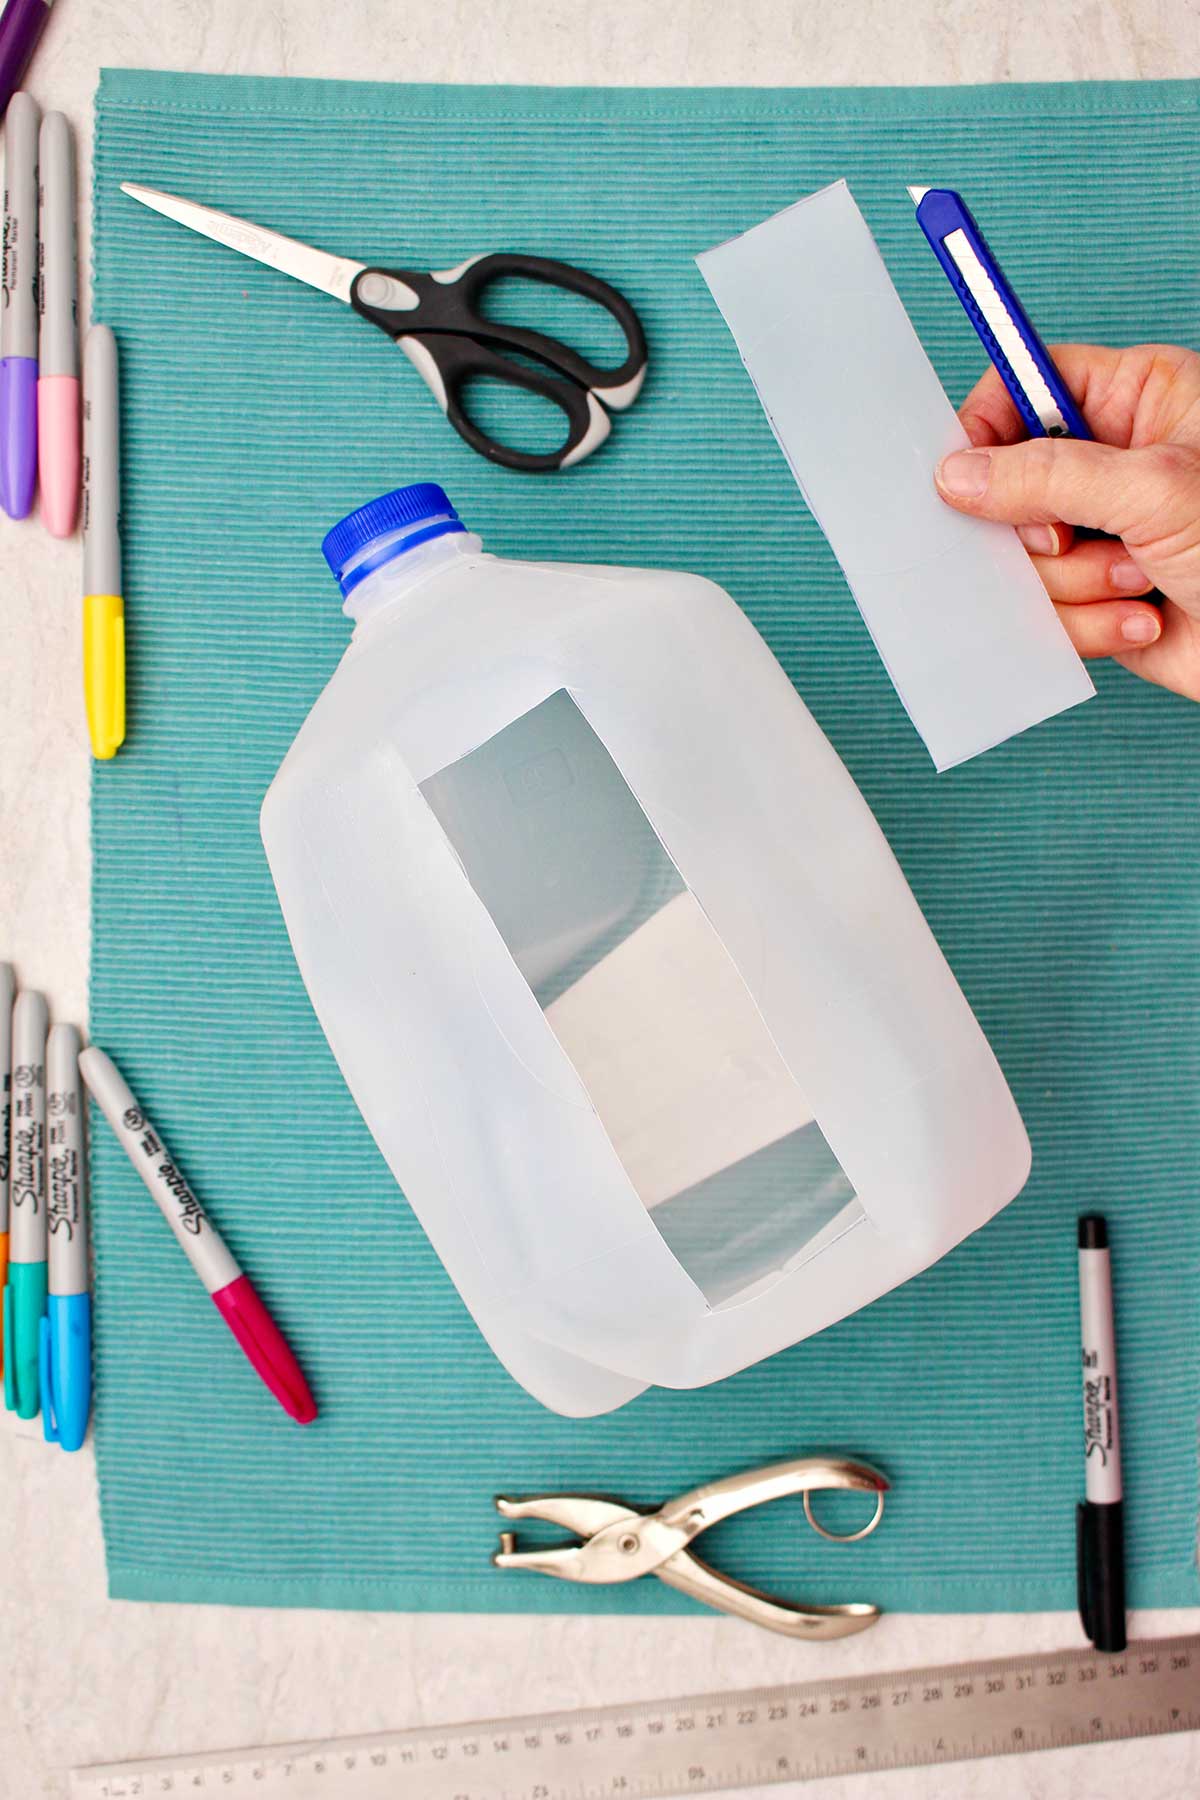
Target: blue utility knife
{"points": [[1022, 361]]}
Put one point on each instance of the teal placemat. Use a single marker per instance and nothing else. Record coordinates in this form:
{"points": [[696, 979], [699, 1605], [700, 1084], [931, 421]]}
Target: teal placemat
{"points": [[1059, 872]]}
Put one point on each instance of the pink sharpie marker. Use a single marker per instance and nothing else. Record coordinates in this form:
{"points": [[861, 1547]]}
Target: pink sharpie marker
{"points": [[58, 416], [231, 1290]]}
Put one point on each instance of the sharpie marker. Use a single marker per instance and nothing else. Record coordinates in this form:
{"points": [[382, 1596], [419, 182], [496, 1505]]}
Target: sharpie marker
{"points": [[196, 1235], [19, 327], [7, 990], [65, 1363], [58, 340], [25, 1295], [103, 607], [21, 26], [1099, 1522]]}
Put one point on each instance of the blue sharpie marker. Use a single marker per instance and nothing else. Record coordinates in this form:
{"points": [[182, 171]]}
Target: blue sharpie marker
{"points": [[1022, 361], [65, 1359]]}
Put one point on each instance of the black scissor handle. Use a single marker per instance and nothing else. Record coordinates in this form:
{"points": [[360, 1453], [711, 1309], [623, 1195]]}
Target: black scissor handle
{"points": [[607, 384], [450, 302], [448, 362]]}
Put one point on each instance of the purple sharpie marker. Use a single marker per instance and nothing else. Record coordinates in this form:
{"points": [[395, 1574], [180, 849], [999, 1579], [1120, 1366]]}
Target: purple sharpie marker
{"points": [[21, 25], [19, 326]]}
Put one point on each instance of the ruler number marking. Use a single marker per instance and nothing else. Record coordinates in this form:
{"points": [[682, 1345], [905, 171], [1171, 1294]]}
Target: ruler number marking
{"points": [[716, 1741]]}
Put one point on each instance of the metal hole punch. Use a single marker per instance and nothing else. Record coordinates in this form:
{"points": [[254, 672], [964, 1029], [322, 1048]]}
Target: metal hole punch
{"points": [[619, 1543]]}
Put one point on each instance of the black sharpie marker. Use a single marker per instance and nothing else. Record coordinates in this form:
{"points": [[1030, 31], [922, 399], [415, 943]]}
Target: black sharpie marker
{"points": [[1099, 1524]]}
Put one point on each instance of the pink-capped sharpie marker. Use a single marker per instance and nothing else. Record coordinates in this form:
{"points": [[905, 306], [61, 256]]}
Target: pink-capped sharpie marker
{"points": [[231, 1290], [58, 334]]}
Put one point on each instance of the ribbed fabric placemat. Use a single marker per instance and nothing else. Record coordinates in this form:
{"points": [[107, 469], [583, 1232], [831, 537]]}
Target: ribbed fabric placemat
{"points": [[1060, 872]]}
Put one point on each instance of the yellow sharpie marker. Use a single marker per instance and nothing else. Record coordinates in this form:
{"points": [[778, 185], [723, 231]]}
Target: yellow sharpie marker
{"points": [[103, 606]]}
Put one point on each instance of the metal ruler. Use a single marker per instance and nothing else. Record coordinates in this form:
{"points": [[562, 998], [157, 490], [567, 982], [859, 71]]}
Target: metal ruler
{"points": [[716, 1742]]}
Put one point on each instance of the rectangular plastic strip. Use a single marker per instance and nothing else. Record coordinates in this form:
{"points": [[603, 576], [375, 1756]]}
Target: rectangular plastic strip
{"points": [[965, 629]]}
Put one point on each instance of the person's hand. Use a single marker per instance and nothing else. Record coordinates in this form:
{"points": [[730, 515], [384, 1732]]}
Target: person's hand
{"points": [[1139, 483]]}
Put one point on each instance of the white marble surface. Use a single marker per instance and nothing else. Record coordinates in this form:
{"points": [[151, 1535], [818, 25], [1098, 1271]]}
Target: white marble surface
{"points": [[83, 1679]]}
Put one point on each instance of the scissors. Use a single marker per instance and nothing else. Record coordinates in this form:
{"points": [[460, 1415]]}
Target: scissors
{"points": [[619, 1543], [436, 320]]}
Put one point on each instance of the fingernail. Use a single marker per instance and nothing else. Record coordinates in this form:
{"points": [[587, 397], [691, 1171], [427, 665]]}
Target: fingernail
{"points": [[1141, 628], [1043, 540], [1126, 574], [964, 473]]}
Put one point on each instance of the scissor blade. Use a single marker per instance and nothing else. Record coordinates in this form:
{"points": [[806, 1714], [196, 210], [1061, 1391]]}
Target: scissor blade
{"points": [[332, 274]]}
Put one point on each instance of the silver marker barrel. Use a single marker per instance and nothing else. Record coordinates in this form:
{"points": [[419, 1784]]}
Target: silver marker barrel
{"points": [[194, 1231], [66, 1168], [27, 1178], [101, 464], [58, 344], [19, 327], [7, 991]]}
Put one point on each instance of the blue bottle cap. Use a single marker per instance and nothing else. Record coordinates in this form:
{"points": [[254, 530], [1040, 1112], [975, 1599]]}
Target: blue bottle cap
{"points": [[395, 522]]}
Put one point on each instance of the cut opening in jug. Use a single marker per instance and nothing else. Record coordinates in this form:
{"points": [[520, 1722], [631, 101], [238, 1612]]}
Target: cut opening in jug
{"points": [[707, 1120]]}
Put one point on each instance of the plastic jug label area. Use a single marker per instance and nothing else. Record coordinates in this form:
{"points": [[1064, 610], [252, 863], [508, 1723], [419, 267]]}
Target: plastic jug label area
{"points": [[706, 1118]]}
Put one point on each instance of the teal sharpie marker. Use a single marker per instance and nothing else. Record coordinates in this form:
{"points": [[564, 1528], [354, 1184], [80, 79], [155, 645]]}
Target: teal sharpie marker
{"points": [[65, 1359], [7, 990], [25, 1296]]}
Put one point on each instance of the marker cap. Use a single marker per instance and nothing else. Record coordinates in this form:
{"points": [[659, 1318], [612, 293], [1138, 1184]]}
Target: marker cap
{"points": [[104, 672], [58, 452], [1100, 1572], [18, 434], [265, 1347], [24, 1307], [65, 1369]]}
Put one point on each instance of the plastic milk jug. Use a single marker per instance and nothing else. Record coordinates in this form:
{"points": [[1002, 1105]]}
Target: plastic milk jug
{"points": [[618, 966]]}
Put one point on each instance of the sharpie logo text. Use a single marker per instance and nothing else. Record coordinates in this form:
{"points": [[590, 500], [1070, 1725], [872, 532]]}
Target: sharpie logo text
{"points": [[62, 1208], [28, 1145], [1097, 1417], [190, 1212]]}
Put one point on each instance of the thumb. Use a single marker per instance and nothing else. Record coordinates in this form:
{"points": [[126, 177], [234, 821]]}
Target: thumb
{"points": [[1134, 494]]}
